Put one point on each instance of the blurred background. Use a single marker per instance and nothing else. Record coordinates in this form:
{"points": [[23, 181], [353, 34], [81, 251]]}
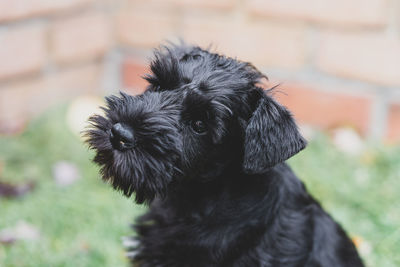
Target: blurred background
{"points": [[337, 63]]}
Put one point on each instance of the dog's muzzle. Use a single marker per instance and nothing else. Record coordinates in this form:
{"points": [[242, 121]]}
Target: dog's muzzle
{"points": [[122, 137]]}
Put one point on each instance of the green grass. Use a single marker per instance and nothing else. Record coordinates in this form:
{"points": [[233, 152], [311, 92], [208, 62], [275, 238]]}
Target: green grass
{"points": [[81, 224]]}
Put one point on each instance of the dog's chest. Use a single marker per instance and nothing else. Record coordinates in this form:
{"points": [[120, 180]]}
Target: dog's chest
{"points": [[212, 236]]}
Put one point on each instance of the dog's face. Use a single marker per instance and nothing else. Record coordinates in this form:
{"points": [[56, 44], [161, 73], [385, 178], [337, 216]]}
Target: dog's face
{"points": [[201, 114]]}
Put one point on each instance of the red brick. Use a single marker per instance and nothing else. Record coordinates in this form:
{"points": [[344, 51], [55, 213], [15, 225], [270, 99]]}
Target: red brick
{"points": [[22, 50], [83, 37], [341, 12], [264, 44], [204, 31], [325, 109], [23, 100], [145, 25], [368, 57], [213, 4], [132, 72], [393, 131], [19, 9]]}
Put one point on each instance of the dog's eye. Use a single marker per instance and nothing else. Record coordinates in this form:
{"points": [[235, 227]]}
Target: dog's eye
{"points": [[199, 126]]}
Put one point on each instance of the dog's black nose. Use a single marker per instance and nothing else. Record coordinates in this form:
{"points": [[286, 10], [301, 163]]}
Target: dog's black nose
{"points": [[122, 136]]}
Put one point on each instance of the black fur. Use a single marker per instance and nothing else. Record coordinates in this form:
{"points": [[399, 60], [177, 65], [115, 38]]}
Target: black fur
{"points": [[208, 156]]}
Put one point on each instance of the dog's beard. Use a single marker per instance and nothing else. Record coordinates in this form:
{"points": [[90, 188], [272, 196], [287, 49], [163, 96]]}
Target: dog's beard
{"points": [[146, 169]]}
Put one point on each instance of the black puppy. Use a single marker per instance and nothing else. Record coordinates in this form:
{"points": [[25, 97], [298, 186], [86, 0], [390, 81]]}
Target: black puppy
{"points": [[205, 146]]}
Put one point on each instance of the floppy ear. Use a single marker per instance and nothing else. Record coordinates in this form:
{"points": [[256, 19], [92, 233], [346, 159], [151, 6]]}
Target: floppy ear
{"points": [[271, 136]]}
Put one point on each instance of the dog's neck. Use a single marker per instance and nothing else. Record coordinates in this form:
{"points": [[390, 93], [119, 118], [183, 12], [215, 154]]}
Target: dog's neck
{"points": [[240, 210], [257, 196]]}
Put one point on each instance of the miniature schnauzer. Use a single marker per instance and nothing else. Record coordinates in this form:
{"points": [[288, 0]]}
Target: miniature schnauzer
{"points": [[205, 146]]}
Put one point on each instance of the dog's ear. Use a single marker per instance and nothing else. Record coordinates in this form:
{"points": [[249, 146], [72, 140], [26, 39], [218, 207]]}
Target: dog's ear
{"points": [[271, 136]]}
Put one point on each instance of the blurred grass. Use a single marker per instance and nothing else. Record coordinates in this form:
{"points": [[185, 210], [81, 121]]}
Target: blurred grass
{"points": [[361, 193], [81, 224]]}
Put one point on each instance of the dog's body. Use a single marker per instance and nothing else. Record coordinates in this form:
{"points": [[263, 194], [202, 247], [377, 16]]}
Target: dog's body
{"points": [[205, 146], [243, 220]]}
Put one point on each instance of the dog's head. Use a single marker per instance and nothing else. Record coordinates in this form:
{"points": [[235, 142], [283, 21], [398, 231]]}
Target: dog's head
{"points": [[201, 114]]}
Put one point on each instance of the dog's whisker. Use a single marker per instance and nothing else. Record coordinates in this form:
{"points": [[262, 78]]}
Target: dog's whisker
{"points": [[219, 104]]}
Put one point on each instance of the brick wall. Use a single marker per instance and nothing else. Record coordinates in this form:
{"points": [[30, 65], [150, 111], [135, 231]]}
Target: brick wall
{"points": [[338, 62]]}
